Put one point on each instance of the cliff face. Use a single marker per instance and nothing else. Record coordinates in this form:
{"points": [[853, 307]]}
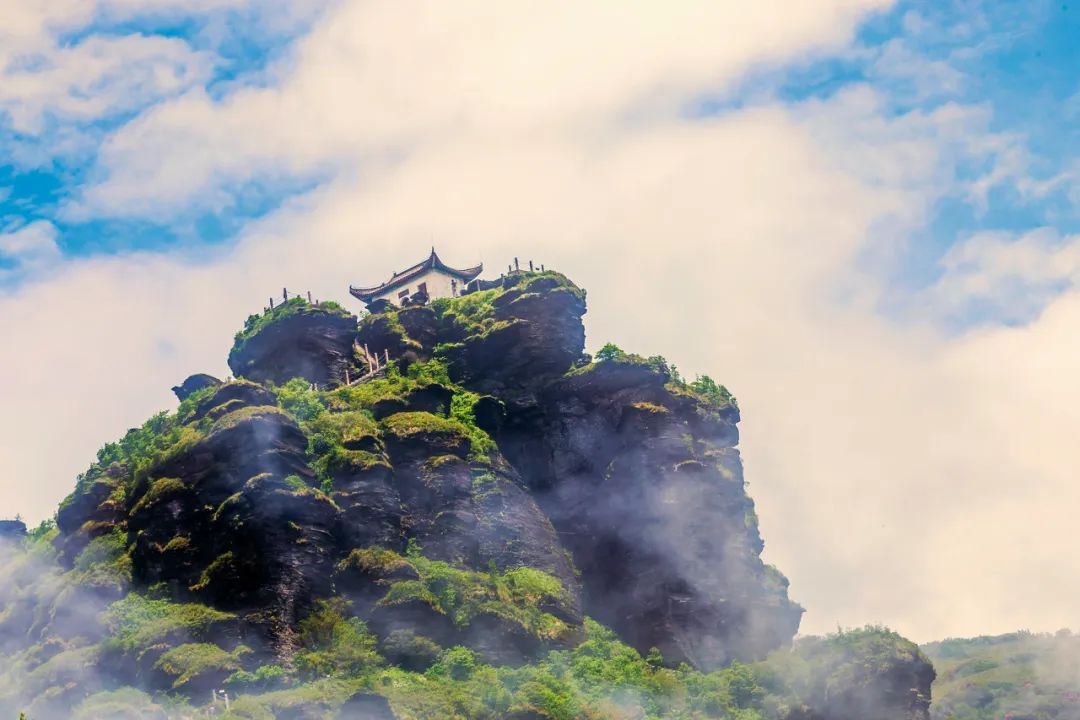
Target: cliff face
{"points": [[489, 490], [638, 474]]}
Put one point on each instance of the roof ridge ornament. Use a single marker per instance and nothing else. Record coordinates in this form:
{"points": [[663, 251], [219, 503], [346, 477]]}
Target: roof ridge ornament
{"points": [[398, 279]]}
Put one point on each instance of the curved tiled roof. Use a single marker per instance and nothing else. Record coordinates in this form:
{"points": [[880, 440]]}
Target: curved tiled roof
{"points": [[367, 294]]}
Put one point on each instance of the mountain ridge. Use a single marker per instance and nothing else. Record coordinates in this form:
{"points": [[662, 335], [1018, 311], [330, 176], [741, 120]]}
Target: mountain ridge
{"points": [[492, 500]]}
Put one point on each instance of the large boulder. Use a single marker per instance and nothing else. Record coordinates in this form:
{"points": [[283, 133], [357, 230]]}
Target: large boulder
{"points": [[859, 674], [194, 384], [12, 529], [534, 336], [298, 339], [233, 519], [364, 705]]}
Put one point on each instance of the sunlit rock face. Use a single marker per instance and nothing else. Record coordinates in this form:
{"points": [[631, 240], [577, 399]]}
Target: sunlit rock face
{"points": [[491, 487], [314, 342]]}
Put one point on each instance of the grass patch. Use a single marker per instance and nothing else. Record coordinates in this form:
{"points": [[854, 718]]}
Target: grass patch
{"points": [[462, 595], [334, 644], [293, 307], [189, 661], [137, 624], [160, 490]]}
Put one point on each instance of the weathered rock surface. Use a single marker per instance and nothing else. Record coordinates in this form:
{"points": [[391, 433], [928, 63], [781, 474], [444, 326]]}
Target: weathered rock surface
{"points": [[311, 342], [647, 490], [92, 511], [194, 384], [218, 519], [537, 335]]}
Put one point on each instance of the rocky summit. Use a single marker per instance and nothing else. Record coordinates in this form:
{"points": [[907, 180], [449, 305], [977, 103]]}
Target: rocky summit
{"points": [[446, 510]]}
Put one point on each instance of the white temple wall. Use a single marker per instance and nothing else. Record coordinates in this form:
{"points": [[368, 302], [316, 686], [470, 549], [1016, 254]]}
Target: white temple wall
{"points": [[439, 285]]}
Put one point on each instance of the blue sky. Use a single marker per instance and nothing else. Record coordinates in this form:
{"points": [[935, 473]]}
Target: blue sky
{"points": [[1017, 62], [40, 175], [859, 215]]}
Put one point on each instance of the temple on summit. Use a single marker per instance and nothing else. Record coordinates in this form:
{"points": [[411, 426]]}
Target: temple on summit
{"points": [[424, 281]]}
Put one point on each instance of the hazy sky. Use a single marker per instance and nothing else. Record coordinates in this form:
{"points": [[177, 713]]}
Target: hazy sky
{"points": [[861, 216]]}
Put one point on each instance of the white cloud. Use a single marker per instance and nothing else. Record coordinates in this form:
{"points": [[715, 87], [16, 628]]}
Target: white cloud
{"points": [[1010, 278], [897, 61], [68, 64], [28, 250], [898, 470], [97, 78], [390, 77]]}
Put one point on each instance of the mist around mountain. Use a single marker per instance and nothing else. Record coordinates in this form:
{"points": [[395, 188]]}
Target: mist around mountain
{"points": [[1020, 676], [440, 511]]}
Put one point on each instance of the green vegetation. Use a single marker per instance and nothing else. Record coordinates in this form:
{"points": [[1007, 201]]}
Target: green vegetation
{"points": [[160, 490], [222, 568], [599, 679], [434, 430], [243, 415], [264, 678], [137, 624], [394, 385], [330, 654], [515, 596], [127, 704], [104, 561], [298, 399], [334, 644], [123, 463], [713, 394], [44, 532], [474, 316], [335, 656], [650, 408], [1019, 675], [192, 660], [846, 658], [351, 416], [703, 388], [548, 282], [290, 308]]}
